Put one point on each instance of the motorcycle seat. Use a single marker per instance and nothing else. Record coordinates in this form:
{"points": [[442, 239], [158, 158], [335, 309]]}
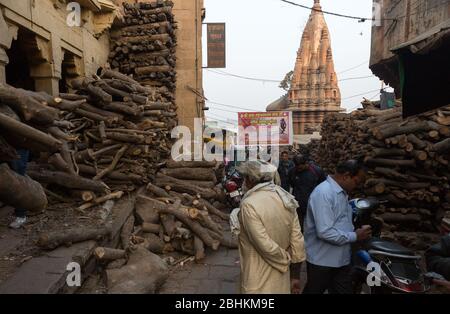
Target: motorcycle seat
{"points": [[390, 248]]}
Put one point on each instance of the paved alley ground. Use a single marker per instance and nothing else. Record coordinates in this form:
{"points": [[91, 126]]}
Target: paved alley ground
{"points": [[218, 274]]}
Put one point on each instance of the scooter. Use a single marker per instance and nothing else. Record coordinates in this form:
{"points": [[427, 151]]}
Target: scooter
{"points": [[384, 267], [232, 185]]}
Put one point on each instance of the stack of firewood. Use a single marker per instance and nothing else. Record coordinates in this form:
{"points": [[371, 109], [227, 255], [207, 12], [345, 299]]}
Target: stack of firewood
{"points": [[113, 134], [408, 161], [175, 215], [145, 45]]}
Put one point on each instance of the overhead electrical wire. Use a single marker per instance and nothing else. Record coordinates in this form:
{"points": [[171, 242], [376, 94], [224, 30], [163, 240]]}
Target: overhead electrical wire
{"points": [[275, 81], [361, 19]]}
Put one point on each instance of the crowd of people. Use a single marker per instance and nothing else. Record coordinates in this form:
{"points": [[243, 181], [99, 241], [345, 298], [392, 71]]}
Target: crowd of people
{"points": [[295, 214]]}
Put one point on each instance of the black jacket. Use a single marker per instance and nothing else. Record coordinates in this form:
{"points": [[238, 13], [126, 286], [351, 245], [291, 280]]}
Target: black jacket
{"points": [[304, 183], [283, 170]]}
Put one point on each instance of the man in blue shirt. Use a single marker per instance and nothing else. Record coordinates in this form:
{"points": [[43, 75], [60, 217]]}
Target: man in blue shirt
{"points": [[329, 231]]}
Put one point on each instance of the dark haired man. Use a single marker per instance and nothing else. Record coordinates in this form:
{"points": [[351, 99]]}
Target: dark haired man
{"points": [[329, 231], [304, 178], [283, 170]]}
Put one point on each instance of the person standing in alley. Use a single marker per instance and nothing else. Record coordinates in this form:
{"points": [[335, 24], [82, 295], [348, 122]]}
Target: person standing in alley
{"points": [[20, 167], [269, 234], [283, 170], [329, 231], [303, 179]]}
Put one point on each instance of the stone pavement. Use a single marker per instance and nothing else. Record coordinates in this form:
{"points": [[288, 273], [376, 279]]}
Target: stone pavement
{"points": [[218, 274]]}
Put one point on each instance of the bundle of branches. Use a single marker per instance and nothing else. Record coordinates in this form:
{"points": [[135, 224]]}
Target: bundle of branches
{"points": [[408, 161], [145, 45]]}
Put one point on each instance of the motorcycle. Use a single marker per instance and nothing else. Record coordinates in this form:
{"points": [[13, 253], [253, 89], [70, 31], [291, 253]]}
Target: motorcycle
{"points": [[384, 267], [232, 185]]}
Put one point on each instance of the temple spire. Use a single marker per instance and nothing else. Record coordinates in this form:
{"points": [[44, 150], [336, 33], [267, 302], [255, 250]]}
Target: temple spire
{"points": [[314, 90]]}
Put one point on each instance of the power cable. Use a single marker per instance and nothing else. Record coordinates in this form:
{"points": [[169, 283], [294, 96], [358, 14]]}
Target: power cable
{"points": [[362, 94], [361, 19], [231, 106], [275, 81]]}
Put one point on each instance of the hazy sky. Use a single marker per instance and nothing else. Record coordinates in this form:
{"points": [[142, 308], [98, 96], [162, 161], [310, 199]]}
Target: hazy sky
{"points": [[263, 37]]}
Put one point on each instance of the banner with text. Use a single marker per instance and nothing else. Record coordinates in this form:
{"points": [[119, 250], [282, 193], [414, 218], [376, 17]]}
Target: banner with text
{"points": [[265, 128]]}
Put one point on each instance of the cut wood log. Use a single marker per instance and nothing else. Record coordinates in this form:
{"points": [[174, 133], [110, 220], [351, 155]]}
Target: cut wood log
{"points": [[51, 241], [104, 254], [391, 162], [144, 273], [199, 247], [201, 232], [157, 191], [147, 209], [29, 108], [442, 147], [200, 174], [11, 125], [168, 221], [127, 230], [117, 264], [154, 244], [101, 200], [181, 187], [67, 180], [21, 191], [151, 228]]}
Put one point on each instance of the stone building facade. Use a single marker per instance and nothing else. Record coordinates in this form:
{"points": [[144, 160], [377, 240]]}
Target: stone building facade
{"points": [[314, 89], [40, 51]]}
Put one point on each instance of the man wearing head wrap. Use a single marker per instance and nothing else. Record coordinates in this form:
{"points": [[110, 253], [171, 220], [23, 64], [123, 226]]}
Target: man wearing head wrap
{"points": [[270, 238]]}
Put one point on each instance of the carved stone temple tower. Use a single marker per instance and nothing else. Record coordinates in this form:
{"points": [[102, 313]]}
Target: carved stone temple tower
{"points": [[314, 90]]}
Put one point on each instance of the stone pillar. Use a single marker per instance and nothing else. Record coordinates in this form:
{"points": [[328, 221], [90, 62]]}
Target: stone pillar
{"points": [[47, 74], [50, 85], [4, 60], [5, 44]]}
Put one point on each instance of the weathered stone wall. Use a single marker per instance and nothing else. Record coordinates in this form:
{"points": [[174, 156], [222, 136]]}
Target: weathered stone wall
{"points": [[46, 20]]}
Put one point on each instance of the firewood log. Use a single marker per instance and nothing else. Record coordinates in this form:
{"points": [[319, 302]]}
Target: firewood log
{"points": [[21, 191], [126, 232], [19, 128], [104, 254], [29, 108], [51, 241], [67, 180], [201, 232], [151, 228], [200, 174], [144, 273], [199, 249]]}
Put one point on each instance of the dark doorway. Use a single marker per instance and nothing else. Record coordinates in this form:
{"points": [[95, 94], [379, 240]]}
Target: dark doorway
{"points": [[18, 68], [68, 72]]}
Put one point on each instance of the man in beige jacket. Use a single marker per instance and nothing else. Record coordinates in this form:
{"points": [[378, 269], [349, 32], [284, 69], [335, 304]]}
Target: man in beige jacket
{"points": [[270, 238]]}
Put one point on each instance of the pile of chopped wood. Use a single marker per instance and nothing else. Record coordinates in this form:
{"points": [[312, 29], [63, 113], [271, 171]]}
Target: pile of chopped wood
{"points": [[408, 161], [145, 45], [113, 134]]}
